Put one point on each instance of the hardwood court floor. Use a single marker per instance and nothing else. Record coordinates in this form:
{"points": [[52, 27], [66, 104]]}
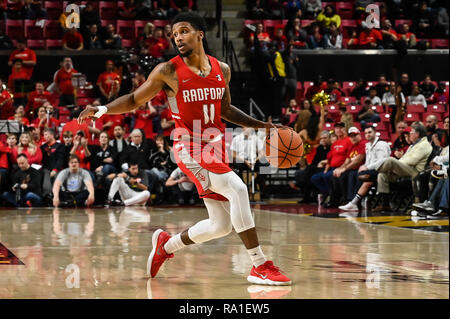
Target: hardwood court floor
{"points": [[107, 250]]}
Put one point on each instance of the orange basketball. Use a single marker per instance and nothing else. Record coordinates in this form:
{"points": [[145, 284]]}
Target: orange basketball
{"points": [[284, 148]]}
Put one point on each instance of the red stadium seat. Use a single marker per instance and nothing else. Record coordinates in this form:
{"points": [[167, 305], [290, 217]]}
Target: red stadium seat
{"points": [[299, 92], [105, 22], [436, 108], [329, 126], [412, 117], [399, 22], [305, 23], [138, 27], [372, 83], [415, 108], [127, 43], [333, 109], [54, 9], [344, 9], [83, 101], [348, 99], [15, 29], [33, 31], [271, 25], [348, 86], [380, 126], [36, 44], [378, 108], [439, 43], [84, 93], [160, 23], [385, 117], [384, 135], [354, 109], [126, 29], [53, 44], [52, 30], [307, 84], [107, 10]]}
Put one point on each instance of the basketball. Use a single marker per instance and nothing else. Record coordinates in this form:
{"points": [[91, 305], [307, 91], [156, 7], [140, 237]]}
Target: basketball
{"points": [[284, 148]]}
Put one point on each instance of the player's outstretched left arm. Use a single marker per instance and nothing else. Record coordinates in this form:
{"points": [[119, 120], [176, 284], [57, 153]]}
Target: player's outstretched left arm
{"points": [[233, 114]]}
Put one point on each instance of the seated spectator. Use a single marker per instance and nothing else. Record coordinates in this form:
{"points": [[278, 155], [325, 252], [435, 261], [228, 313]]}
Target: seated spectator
{"points": [[73, 186], [74, 127], [5, 150], [333, 90], [35, 10], [315, 39], [406, 84], [333, 39], [440, 96], [89, 16], [161, 166], [103, 158], [181, 187], [127, 10], [119, 144], [427, 88], [335, 158], [376, 153], [112, 40], [441, 140], [382, 86], [345, 177], [19, 115], [45, 118], [360, 89], [314, 89], [27, 185], [442, 20], [53, 159], [410, 164], [279, 39], [81, 150], [402, 142], [388, 99], [67, 142], [37, 98], [367, 114], [293, 8], [439, 164], [263, 37], [147, 34], [327, 16], [369, 38], [16, 82], [138, 151], [92, 38], [167, 123], [304, 114], [63, 83], [311, 8], [157, 44], [302, 179], [416, 97], [26, 55], [110, 121], [353, 41], [29, 148], [108, 83], [132, 185], [390, 36], [6, 102], [290, 113], [435, 135], [423, 20], [295, 34], [408, 37], [346, 117], [373, 96], [73, 40]]}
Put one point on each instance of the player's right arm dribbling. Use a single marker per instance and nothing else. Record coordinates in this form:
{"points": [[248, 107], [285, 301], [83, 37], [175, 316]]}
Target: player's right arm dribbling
{"points": [[155, 82]]}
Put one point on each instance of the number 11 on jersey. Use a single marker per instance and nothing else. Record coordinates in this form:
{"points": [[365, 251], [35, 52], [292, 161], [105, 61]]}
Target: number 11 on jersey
{"points": [[208, 115]]}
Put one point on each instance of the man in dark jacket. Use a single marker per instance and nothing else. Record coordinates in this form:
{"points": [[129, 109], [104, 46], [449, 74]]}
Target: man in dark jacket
{"points": [[52, 160], [27, 185]]}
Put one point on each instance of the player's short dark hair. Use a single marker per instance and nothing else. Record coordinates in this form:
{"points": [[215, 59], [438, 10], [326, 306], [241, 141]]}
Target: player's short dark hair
{"points": [[196, 20]]}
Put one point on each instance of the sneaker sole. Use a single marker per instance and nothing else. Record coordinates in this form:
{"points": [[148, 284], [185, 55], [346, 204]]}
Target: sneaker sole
{"points": [[349, 209], [152, 253], [260, 281]]}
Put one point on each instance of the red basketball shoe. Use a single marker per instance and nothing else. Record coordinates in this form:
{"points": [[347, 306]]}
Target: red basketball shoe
{"points": [[268, 274], [158, 255]]}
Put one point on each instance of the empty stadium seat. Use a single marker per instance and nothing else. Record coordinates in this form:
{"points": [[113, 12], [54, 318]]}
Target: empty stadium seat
{"points": [[401, 21], [33, 31], [36, 44], [386, 117], [348, 86], [348, 99], [329, 126], [333, 108], [271, 25], [54, 9], [344, 9], [305, 23], [436, 108], [105, 22], [127, 43], [384, 135], [138, 27], [412, 117], [415, 108], [53, 44], [354, 109], [84, 101], [107, 10], [378, 108], [126, 29], [380, 126], [52, 30], [14, 29], [439, 43]]}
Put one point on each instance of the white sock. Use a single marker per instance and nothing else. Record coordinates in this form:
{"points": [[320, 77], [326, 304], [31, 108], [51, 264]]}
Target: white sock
{"points": [[173, 244], [257, 256]]}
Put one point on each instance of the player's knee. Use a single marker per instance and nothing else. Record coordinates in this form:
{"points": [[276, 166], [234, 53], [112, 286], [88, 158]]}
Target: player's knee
{"points": [[237, 185], [221, 229], [146, 195]]}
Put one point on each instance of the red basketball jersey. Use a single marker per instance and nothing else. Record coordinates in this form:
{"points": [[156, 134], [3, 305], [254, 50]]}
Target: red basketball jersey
{"points": [[197, 105]]}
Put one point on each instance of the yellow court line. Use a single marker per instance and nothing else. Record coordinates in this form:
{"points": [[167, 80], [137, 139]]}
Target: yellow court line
{"points": [[5, 262], [410, 223], [376, 219]]}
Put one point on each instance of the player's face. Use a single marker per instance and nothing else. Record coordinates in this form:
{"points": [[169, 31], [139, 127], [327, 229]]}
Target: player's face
{"points": [[186, 38]]}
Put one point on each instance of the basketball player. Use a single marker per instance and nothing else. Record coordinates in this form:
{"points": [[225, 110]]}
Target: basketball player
{"points": [[198, 93]]}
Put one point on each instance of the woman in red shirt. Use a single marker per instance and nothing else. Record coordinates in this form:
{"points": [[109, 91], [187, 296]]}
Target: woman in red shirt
{"points": [[19, 115], [143, 119], [29, 148]]}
